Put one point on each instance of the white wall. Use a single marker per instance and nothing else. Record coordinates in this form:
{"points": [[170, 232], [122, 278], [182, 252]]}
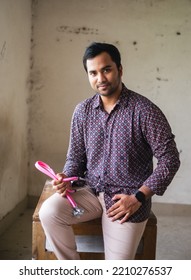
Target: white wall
{"points": [[15, 31], [154, 38]]}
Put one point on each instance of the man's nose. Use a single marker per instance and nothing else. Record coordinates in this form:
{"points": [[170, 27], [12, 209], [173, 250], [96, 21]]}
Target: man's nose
{"points": [[101, 78]]}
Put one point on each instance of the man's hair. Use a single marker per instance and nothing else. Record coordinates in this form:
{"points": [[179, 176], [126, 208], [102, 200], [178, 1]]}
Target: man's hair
{"points": [[97, 48]]}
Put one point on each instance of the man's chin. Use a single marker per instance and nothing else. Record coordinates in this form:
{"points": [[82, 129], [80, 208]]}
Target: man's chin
{"points": [[104, 92]]}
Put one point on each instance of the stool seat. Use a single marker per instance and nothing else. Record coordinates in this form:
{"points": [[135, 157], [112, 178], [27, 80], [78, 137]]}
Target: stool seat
{"points": [[88, 235]]}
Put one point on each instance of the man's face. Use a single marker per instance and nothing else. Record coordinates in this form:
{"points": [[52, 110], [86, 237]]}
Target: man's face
{"points": [[103, 74]]}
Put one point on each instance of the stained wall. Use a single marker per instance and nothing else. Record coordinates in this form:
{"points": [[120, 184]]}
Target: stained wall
{"points": [[155, 43], [42, 79], [15, 36]]}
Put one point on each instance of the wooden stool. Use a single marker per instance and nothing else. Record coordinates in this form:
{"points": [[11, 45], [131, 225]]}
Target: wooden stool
{"points": [[88, 236]]}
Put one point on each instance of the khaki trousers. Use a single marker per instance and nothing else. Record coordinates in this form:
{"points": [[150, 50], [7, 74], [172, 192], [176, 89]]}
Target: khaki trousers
{"points": [[120, 240]]}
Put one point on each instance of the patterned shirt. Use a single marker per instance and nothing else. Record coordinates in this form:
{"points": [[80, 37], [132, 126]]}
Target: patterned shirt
{"points": [[114, 151]]}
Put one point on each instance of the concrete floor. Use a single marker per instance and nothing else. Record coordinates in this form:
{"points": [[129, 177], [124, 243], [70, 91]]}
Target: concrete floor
{"points": [[173, 238]]}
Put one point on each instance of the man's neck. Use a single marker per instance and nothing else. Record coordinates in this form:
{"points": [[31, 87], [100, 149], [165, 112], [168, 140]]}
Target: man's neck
{"points": [[109, 102]]}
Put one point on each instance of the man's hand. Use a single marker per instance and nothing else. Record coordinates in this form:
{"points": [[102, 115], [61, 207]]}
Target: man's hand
{"points": [[61, 186], [126, 205]]}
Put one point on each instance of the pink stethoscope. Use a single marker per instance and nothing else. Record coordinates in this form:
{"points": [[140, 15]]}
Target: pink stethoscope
{"points": [[45, 168]]}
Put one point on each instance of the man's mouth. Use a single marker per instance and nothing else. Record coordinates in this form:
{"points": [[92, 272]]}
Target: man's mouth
{"points": [[102, 86]]}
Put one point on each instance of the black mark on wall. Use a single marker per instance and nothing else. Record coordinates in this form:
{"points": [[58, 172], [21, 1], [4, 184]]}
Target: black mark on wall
{"points": [[77, 30], [162, 79], [2, 52]]}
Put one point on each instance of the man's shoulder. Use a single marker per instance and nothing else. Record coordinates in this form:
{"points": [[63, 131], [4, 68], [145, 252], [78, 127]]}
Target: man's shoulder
{"points": [[139, 98], [89, 101], [140, 101], [143, 106], [140, 104], [86, 104]]}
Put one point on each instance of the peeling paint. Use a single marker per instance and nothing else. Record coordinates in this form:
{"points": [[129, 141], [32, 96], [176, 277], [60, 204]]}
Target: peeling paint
{"points": [[2, 52], [77, 30], [152, 29], [162, 79]]}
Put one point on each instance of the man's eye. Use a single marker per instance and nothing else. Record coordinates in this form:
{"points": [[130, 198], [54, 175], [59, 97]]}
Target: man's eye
{"points": [[93, 74], [107, 70]]}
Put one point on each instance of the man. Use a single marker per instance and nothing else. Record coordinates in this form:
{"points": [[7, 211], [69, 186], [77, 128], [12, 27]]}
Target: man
{"points": [[114, 136]]}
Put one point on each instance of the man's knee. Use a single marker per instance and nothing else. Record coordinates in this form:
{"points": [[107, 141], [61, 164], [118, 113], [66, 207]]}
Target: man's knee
{"points": [[44, 212], [55, 209]]}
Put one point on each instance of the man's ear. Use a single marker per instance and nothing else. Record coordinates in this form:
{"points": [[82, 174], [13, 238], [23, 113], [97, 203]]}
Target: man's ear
{"points": [[120, 70]]}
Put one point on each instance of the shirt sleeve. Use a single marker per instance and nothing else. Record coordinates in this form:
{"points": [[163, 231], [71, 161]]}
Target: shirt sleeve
{"points": [[76, 156], [158, 135]]}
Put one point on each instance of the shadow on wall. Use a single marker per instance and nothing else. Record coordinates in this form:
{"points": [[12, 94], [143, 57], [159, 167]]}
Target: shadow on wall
{"points": [[6, 145]]}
